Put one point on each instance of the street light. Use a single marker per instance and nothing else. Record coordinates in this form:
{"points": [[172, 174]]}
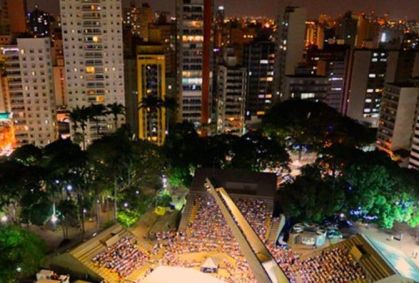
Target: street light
{"points": [[54, 217], [69, 188], [3, 219], [164, 181]]}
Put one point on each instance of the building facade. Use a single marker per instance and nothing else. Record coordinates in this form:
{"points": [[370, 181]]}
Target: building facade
{"points": [[259, 60], [306, 87], [291, 42], [414, 148], [397, 115], [191, 50], [365, 85], [93, 54], [231, 96], [31, 90], [151, 68]]}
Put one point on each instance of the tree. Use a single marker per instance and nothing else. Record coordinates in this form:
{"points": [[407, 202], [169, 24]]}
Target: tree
{"points": [[115, 109], [67, 214], [21, 253], [27, 155], [14, 189], [152, 104], [311, 197], [68, 175], [380, 190], [79, 117], [95, 112], [126, 165], [314, 124], [184, 151], [256, 152]]}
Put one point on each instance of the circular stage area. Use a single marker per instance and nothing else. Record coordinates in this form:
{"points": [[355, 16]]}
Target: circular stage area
{"points": [[164, 274]]}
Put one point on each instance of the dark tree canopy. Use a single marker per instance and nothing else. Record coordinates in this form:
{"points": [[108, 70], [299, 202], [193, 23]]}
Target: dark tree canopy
{"points": [[315, 124], [21, 253], [254, 151], [311, 198]]}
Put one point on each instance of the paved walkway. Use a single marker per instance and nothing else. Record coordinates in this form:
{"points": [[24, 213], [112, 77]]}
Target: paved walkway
{"points": [[409, 243]]}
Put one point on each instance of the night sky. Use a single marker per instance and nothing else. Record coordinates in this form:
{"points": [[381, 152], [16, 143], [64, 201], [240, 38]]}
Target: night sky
{"points": [[396, 8]]}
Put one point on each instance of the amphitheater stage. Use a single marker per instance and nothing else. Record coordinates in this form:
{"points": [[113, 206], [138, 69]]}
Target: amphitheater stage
{"points": [[165, 274]]}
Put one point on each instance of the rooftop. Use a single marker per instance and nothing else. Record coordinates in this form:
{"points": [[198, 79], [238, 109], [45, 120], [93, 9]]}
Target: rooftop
{"points": [[237, 181]]}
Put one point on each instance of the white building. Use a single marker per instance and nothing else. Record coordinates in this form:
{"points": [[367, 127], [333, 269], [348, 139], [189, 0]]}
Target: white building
{"points": [[31, 90], [397, 116], [93, 54], [414, 148], [231, 95], [291, 42]]}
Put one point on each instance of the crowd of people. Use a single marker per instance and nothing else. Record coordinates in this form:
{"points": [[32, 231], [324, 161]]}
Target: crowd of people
{"points": [[208, 232], [331, 265], [122, 257]]}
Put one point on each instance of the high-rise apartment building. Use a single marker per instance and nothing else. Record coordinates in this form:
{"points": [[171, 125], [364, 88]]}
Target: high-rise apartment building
{"points": [[369, 70], [291, 38], [306, 87], [31, 90], [16, 15], [332, 62], [346, 29], [137, 19], [151, 83], [397, 115], [365, 84], [93, 54], [414, 148], [259, 59], [314, 34], [194, 55], [231, 96]]}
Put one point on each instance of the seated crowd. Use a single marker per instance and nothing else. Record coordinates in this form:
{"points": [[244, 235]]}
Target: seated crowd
{"points": [[122, 257], [332, 265], [207, 231]]}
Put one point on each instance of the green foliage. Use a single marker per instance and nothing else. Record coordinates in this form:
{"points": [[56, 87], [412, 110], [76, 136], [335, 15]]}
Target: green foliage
{"points": [[21, 253], [67, 212], [127, 218], [163, 199], [132, 207], [312, 197]]}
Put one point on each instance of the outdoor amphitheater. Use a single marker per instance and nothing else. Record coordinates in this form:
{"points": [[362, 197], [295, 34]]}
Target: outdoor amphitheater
{"points": [[230, 236]]}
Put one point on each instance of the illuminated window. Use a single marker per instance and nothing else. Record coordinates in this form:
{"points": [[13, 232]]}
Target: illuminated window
{"points": [[90, 70], [307, 95]]}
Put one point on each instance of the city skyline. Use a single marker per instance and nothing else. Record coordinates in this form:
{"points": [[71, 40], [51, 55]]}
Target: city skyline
{"points": [[270, 8]]}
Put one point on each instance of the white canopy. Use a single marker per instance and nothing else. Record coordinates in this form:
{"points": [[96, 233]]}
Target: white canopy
{"points": [[209, 263]]}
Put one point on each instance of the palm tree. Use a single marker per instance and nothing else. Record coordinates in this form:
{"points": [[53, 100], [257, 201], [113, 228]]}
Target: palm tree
{"points": [[153, 103], [95, 111], [115, 109], [79, 117]]}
